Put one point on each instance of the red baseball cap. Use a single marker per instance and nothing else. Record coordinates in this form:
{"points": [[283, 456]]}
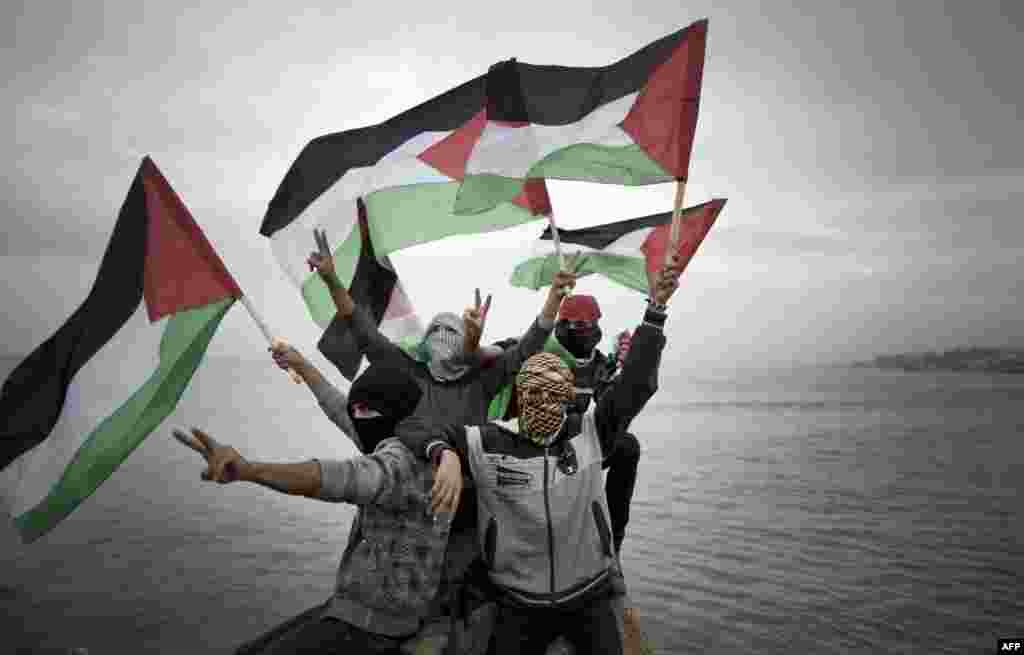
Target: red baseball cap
{"points": [[579, 307]]}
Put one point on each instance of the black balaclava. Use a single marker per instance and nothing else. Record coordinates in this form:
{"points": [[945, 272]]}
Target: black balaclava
{"points": [[579, 310], [388, 390]]}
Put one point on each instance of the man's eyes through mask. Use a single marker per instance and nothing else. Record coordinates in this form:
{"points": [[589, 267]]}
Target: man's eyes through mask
{"points": [[362, 411]]}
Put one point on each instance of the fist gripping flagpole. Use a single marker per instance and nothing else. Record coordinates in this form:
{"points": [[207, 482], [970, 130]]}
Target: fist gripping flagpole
{"points": [[272, 340]]}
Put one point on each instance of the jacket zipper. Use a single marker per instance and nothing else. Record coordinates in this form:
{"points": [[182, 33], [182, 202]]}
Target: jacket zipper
{"points": [[551, 531]]}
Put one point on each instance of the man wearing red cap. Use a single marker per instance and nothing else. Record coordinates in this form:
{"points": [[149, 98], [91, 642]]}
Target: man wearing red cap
{"points": [[578, 330]]}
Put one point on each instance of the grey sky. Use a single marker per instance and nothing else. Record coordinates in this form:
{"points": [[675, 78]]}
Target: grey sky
{"points": [[873, 157]]}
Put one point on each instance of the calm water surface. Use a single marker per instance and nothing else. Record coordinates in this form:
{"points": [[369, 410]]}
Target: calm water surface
{"points": [[803, 511]]}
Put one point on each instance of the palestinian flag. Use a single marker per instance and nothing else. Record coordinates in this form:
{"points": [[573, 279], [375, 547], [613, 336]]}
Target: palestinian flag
{"points": [[627, 252], [406, 171], [375, 287], [75, 408], [630, 123]]}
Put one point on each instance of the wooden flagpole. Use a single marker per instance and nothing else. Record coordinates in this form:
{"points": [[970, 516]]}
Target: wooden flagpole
{"points": [[558, 247], [272, 340], [677, 220]]}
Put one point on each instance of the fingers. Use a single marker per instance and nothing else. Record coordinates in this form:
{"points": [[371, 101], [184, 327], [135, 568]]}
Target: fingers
{"points": [[325, 248], [446, 499], [438, 495], [477, 305], [486, 308], [565, 281], [186, 440], [576, 261], [435, 493], [206, 440]]}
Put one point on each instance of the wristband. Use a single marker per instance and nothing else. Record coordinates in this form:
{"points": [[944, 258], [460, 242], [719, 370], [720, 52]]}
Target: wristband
{"points": [[655, 315], [435, 457]]}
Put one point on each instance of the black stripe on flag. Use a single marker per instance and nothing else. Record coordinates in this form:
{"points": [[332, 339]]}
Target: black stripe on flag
{"points": [[600, 237], [33, 395], [547, 95]]}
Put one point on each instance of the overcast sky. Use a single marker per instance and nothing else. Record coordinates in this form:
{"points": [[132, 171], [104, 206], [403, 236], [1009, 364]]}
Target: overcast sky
{"points": [[873, 158]]}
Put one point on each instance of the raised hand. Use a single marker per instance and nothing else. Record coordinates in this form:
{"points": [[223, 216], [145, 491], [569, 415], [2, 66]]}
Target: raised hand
{"points": [[321, 260], [473, 320], [223, 463], [286, 357], [562, 284]]}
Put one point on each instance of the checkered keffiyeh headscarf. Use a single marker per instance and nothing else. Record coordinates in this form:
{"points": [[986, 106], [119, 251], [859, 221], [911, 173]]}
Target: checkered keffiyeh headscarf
{"points": [[544, 386]]}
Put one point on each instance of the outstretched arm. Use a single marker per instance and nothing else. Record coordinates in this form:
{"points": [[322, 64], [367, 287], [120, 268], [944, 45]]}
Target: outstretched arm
{"points": [[332, 401], [361, 480], [224, 464]]}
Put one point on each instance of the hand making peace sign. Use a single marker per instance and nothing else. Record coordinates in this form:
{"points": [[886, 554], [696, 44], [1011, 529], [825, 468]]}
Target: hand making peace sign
{"points": [[473, 320], [321, 261], [224, 463]]}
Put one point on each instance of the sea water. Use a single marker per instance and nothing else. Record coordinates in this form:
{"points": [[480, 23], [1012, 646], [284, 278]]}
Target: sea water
{"points": [[777, 511]]}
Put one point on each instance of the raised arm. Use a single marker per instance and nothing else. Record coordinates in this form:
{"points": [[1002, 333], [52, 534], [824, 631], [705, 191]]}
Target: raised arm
{"points": [[352, 332], [638, 381], [332, 401], [509, 362]]}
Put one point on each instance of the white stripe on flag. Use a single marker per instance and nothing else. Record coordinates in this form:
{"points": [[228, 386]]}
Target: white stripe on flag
{"points": [[120, 368]]}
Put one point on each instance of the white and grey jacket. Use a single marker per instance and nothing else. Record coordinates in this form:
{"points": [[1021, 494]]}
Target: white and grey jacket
{"points": [[542, 514]]}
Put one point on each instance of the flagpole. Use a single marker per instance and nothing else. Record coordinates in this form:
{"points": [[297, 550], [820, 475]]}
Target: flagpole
{"points": [[677, 214], [558, 247], [272, 340]]}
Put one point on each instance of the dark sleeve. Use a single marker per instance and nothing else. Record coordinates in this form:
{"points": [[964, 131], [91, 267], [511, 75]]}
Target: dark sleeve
{"points": [[416, 433], [347, 340], [508, 364], [636, 384], [423, 438]]}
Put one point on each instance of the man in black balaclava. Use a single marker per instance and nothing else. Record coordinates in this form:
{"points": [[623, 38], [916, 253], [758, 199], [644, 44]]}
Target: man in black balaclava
{"points": [[379, 603]]}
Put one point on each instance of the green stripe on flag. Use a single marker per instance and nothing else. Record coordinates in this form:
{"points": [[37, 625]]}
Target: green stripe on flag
{"points": [[182, 347], [431, 204], [537, 272], [627, 165]]}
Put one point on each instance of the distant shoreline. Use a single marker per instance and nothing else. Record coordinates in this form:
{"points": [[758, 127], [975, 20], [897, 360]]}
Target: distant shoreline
{"points": [[985, 360]]}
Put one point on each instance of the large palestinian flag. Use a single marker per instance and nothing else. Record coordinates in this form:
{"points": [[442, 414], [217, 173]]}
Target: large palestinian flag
{"points": [[406, 171], [629, 123], [628, 252], [75, 408], [376, 288]]}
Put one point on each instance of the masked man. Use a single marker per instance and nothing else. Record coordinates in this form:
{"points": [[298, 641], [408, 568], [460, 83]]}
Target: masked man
{"points": [[389, 579], [543, 519]]}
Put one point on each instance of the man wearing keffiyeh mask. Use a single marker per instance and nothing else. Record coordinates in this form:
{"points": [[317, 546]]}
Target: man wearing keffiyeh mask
{"points": [[545, 388], [542, 513]]}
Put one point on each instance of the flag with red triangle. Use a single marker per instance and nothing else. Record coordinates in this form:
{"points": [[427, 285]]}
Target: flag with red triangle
{"points": [[78, 405], [628, 123]]}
